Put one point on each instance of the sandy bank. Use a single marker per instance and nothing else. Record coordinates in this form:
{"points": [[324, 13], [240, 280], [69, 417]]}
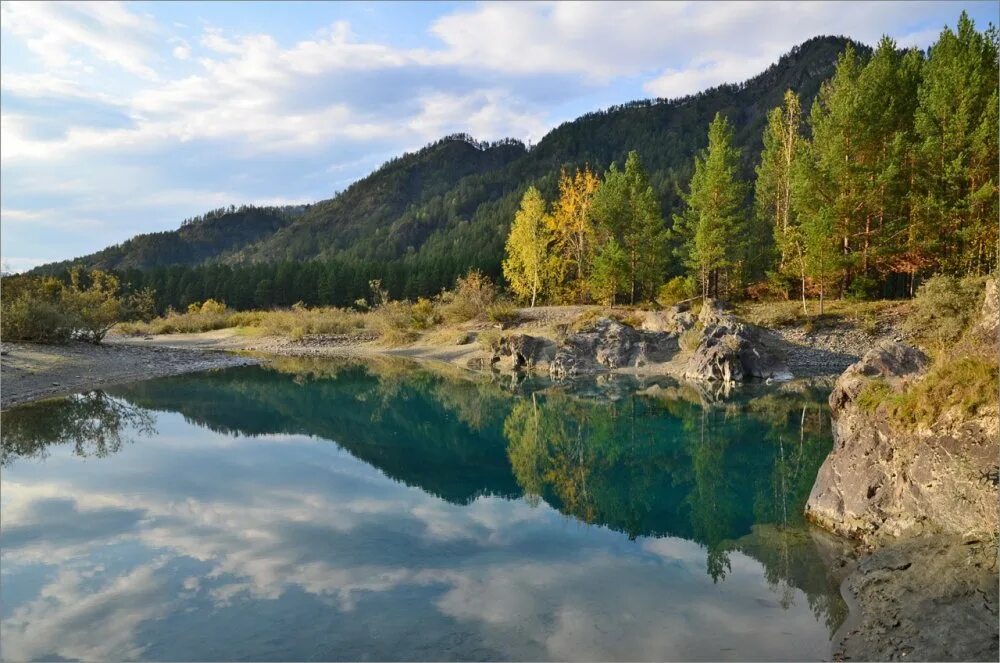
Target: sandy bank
{"points": [[31, 371]]}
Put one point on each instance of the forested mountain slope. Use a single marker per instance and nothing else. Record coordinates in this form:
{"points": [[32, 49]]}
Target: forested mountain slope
{"points": [[448, 206], [211, 236]]}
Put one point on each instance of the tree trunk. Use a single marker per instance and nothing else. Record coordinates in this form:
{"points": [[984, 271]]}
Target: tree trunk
{"points": [[804, 310]]}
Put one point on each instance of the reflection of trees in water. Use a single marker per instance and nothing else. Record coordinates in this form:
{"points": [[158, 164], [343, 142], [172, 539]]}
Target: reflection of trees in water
{"points": [[670, 466], [95, 423], [661, 463]]}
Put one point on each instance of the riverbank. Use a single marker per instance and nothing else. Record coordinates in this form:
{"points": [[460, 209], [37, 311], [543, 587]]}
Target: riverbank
{"points": [[30, 371], [808, 352], [928, 599], [33, 371]]}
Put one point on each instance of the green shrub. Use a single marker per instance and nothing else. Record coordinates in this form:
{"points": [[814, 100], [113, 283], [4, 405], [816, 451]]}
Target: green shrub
{"points": [[675, 290], [35, 319], [943, 308], [862, 288], [49, 310]]}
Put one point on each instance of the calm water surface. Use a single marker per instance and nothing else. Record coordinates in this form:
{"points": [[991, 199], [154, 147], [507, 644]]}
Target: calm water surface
{"points": [[344, 510]]}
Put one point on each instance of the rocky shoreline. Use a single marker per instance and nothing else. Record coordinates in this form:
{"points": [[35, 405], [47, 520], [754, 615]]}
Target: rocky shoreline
{"points": [[923, 502], [925, 585]]}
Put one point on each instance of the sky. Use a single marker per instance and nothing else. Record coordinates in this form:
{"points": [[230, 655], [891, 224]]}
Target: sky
{"points": [[122, 118]]}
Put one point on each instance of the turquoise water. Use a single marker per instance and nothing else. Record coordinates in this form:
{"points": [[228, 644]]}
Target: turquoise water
{"points": [[317, 510]]}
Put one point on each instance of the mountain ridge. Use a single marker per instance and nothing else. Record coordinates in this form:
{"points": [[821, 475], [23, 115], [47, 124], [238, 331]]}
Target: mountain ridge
{"points": [[450, 202]]}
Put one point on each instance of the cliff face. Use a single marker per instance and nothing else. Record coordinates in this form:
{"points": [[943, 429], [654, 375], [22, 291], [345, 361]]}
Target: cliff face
{"points": [[886, 480]]}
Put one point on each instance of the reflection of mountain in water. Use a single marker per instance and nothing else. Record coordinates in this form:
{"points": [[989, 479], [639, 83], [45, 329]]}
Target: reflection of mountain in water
{"points": [[652, 464]]}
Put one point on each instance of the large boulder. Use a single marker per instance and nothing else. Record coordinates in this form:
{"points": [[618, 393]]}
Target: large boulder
{"points": [[731, 351], [521, 352], [609, 345], [883, 480]]}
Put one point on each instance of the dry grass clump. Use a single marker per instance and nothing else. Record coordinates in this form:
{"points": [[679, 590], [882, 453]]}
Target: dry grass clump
{"points": [[585, 320], [394, 323], [300, 321], [471, 299], [296, 322], [503, 312], [691, 338], [866, 315], [967, 386], [207, 316]]}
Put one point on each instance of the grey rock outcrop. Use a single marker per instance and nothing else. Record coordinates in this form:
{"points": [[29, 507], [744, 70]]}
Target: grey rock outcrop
{"points": [[608, 345], [674, 320], [731, 351], [882, 481], [519, 352]]}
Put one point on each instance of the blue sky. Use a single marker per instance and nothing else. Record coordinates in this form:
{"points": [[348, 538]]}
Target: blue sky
{"points": [[127, 118]]}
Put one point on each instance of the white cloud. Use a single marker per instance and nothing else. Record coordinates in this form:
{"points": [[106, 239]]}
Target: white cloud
{"points": [[182, 51], [669, 37], [706, 73], [60, 33]]}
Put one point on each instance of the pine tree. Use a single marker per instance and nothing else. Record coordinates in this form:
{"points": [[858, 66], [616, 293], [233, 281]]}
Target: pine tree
{"points": [[833, 186], [820, 257], [773, 190], [626, 208], [887, 99], [528, 266], [646, 241], [611, 272], [956, 126], [713, 225]]}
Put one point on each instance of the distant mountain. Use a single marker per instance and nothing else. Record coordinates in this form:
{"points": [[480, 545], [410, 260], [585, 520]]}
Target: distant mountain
{"points": [[450, 204]]}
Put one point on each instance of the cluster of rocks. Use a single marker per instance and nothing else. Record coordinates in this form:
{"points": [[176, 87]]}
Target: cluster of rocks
{"points": [[727, 350], [731, 351], [608, 345]]}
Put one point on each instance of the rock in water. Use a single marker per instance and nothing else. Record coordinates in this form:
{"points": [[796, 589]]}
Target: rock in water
{"points": [[521, 352], [607, 345], [730, 351], [883, 481]]}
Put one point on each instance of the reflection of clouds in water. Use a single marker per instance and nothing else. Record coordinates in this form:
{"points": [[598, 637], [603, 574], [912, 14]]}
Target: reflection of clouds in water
{"points": [[326, 524], [49, 528], [74, 620], [608, 607]]}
